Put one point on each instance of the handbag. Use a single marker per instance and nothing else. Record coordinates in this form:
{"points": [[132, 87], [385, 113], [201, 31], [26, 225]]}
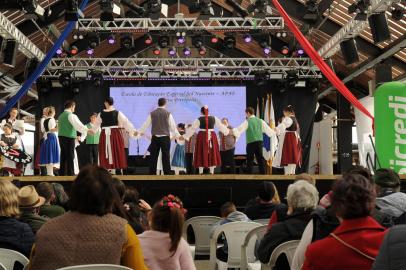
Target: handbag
{"points": [[352, 247]]}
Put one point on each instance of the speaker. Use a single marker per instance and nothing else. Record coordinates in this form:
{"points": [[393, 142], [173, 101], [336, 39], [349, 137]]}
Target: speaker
{"points": [[383, 73], [379, 27], [349, 51], [10, 52]]}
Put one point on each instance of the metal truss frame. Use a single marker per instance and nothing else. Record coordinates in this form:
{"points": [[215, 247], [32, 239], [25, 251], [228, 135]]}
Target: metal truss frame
{"points": [[184, 68], [353, 28], [176, 24], [9, 30]]}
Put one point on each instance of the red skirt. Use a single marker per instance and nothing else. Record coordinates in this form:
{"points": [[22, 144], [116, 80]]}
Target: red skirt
{"points": [[119, 160], [292, 150], [212, 156]]}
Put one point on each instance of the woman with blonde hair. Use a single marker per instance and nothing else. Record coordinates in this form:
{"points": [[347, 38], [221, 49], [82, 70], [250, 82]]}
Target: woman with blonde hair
{"points": [[14, 234]]}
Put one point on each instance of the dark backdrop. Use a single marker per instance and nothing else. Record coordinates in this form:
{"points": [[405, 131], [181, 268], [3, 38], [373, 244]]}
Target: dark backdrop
{"points": [[90, 99]]}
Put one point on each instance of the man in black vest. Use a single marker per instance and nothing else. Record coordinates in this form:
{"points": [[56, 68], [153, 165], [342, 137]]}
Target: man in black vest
{"points": [[162, 124]]}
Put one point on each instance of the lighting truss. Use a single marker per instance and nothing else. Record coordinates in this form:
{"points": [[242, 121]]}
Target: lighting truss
{"points": [[186, 68], [9, 30], [353, 28], [178, 24]]}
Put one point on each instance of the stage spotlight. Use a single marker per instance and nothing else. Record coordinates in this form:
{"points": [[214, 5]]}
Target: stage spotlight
{"points": [[44, 85], [204, 7], [90, 51], [314, 85], [93, 39], [77, 36], [261, 78], [202, 50], [247, 38], [148, 39], [267, 50], [156, 50], [265, 41], [398, 12], [214, 39], [65, 78], [75, 86], [285, 50], [187, 51], [360, 8], [108, 8], [71, 10], [172, 51], [349, 51], [229, 40], [180, 37], [126, 41], [111, 39], [59, 52], [312, 12], [300, 52], [163, 41], [97, 77], [281, 34], [31, 7], [260, 8], [197, 41], [291, 79], [73, 50], [379, 27]]}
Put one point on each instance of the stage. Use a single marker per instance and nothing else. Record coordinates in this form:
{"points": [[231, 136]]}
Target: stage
{"points": [[201, 194]]}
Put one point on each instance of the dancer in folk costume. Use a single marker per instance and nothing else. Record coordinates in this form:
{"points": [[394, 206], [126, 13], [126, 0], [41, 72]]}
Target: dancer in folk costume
{"points": [[111, 144], [92, 141], [189, 150], [178, 160], [42, 169], [207, 154], [227, 149], [289, 153], [49, 149], [9, 139]]}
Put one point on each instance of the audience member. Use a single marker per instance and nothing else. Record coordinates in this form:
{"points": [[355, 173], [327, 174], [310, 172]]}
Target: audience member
{"points": [[30, 202], [89, 233], [262, 206], [229, 214], [136, 207], [302, 199], [390, 206], [391, 256], [163, 246], [14, 234], [46, 190], [61, 198], [355, 242], [307, 177]]}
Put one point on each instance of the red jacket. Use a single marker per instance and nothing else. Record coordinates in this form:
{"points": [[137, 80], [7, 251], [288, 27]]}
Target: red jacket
{"points": [[365, 234]]}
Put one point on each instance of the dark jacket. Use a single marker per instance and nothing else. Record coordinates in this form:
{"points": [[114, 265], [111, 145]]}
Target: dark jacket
{"points": [[33, 220], [324, 222], [391, 254], [290, 229], [257, 210], [16, 235]]}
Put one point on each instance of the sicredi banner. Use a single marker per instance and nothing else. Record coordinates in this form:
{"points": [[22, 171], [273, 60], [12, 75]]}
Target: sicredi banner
{"points": [[390, 125]]}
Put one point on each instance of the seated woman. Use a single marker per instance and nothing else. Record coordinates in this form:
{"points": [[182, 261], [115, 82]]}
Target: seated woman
{"points": [[89, 233], [355, 243], [302, 199]]}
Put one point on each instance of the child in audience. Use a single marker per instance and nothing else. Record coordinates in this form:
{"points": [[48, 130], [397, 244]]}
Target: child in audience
{"points": [[178, 159], [163, 246]]}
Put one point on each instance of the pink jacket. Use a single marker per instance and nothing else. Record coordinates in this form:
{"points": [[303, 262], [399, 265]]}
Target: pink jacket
{"points": [[155, 248]]}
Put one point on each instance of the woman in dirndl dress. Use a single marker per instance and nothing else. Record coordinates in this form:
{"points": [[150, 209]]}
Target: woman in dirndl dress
{"points": [[178, 160], [49, 149], [289, 153], [111, 145], [207, 153]]}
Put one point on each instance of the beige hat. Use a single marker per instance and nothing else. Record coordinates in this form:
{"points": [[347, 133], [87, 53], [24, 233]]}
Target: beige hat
{"points": [[29, 198]]}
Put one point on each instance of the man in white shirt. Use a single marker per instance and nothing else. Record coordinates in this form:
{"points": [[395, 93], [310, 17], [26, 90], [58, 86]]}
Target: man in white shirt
{"points": [[162, 124]]}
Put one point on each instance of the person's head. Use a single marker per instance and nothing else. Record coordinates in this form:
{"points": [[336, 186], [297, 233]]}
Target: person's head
{"points": [[353, 196], [307, 177], [224, 121], [93, 117], [386, 180], [302, 195], [46, 190], [181, 127], [50, 111], [357, 169], [132, 195], [93, 192], [29, 200], [8, 199], [61, 198], [70, 105], [204, 109], [13, 113], [161, 102], [108, 102], [266, 191], [168, 216], [226, 209], [249, 111], [7, 128], [120, 187], [45, 111], [288, 111]]}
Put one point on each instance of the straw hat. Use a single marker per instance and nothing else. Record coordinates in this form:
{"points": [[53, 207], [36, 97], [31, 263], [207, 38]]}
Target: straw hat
{"points": [[29, 198]]}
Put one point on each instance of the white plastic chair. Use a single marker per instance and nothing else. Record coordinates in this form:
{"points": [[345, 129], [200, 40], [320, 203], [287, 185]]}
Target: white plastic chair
{"points": [[95, 267], [8, 258], [235, 233], [248, 246], [2, 267], [201, 226], [287, 248], [263, 221]]}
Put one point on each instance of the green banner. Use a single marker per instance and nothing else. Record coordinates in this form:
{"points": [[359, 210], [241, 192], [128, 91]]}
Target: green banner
{"points": [[390, 125]]}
